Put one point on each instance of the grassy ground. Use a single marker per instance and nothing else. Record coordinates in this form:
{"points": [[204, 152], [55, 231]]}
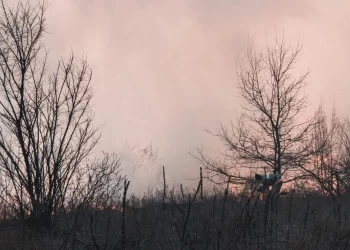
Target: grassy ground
{"points": [[216, 221]]}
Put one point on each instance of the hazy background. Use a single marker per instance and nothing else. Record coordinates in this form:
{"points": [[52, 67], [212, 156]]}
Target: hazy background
{"points": [[163, 70]]}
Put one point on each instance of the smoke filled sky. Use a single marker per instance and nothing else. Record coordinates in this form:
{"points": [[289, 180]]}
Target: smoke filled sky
{"points": [[163, 70]]}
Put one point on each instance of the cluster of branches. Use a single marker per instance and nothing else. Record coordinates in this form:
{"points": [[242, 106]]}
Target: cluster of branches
{"points": [[46, 124], [273, 134], [330, 168]]}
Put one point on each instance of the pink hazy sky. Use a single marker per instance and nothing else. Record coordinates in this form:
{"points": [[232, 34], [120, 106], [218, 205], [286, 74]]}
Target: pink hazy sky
{"points": [[163, 70]]}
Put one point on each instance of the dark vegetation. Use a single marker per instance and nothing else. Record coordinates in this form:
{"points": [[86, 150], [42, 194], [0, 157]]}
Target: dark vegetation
{"points": [[53, 195], [187, 220]]}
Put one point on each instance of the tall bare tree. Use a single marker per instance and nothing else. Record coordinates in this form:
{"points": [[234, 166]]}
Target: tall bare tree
{"points": [[46, 121], [272, 134]]}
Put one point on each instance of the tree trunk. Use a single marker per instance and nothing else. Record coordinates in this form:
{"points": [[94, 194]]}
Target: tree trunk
{"points": [[40, 220]]}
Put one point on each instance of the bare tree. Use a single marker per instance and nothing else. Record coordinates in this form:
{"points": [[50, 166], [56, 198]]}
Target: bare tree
{"points": [[329, 167], [46, 122], [271, 135]]}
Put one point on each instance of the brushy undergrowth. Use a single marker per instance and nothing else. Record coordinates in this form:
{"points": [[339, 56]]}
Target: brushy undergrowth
{"points": [[187, 220]]}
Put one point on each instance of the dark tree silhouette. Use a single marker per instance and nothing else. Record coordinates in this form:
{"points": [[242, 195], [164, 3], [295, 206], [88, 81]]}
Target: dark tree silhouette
{"points": [[271, 135], [46, 122], [329, 168]]}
